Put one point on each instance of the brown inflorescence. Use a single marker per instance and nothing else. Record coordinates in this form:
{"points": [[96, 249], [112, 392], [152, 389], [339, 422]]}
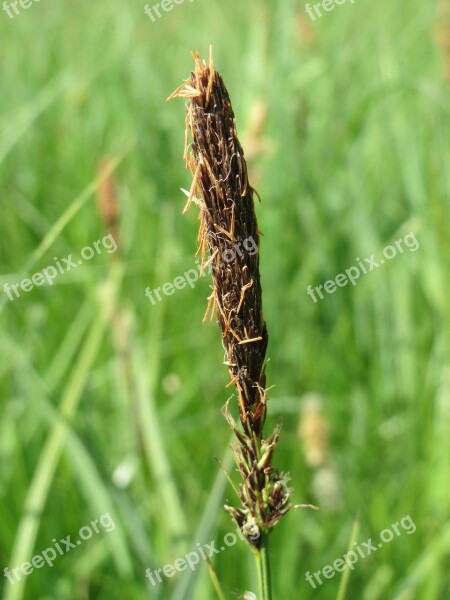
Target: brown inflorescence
{"points": [[227, 218], [107, 200], [221, 189]]}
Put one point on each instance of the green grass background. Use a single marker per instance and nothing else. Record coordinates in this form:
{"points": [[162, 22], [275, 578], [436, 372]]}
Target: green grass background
{"points": [[355, 155]]}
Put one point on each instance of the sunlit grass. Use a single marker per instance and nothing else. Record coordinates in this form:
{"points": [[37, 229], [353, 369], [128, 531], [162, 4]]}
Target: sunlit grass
{"points": [[353, 153]]}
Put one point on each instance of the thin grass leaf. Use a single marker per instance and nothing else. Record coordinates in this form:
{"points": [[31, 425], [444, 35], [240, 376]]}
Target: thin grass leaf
{"points": [[342, 590], [186, 585], [51, 453]]}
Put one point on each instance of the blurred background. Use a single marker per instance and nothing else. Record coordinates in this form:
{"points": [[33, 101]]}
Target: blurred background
{"points": [[112, 404]]}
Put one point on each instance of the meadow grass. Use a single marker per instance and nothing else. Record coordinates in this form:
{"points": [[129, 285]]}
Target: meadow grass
{"points": [[353, 154]]}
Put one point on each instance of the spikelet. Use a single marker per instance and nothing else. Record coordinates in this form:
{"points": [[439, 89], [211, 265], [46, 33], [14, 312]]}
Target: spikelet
{"points": [[227, 220], [107, 201], [220, 187]]}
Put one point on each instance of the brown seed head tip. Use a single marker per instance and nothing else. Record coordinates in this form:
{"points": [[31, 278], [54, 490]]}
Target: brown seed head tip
{"points": [[191, 88], [228, 233]]}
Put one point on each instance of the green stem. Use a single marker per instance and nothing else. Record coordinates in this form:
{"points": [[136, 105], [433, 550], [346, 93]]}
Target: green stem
{"points": [[263, 567]]}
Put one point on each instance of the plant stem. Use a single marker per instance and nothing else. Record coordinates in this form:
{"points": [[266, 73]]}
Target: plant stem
{"points": [[263, 567]]}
